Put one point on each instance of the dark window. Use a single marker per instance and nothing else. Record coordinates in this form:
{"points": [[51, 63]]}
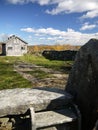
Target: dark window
{"points": [[22, 48], [10, 48]]}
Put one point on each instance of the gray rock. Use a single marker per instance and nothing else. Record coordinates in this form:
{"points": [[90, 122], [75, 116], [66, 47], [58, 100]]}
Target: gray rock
{"points": [[83, 83], [18, 101]]}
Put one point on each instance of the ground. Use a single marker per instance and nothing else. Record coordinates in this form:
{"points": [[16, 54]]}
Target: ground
{"points": [[41, 76]]}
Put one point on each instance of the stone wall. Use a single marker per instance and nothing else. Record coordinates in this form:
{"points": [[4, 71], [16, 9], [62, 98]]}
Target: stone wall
{"points": [[60, 55]]}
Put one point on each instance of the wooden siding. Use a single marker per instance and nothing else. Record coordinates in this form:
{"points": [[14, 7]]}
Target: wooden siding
{"points": [[15, 46]]}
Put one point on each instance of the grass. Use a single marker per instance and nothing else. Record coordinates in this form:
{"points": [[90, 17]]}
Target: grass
{"points": [[39, 74], [11, 79], [40, 60]]}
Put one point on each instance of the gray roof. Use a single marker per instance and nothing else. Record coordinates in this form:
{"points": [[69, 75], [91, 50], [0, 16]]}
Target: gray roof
{"points": [[17, 38]]}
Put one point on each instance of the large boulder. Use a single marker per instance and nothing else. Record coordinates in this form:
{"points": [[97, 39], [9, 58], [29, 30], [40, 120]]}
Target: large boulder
{"points": [[83, 83]]}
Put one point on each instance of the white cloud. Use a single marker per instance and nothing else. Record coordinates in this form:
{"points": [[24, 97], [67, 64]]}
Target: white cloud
{"points": [[27, 29], [72, 6], [18, 1], [46, 31], [88, 7], [41, 2], [87, 26], [69, 36], [90, 14], [3, 37]]}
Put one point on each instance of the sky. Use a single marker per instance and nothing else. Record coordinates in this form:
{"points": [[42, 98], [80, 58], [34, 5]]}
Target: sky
{"points": [[49, 22]]}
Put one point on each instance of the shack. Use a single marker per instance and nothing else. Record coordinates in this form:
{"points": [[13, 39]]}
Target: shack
{"points": [[14, 46]]}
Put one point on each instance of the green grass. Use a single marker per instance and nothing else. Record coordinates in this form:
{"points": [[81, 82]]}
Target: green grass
{"points": [[8, 77], [11, 79], [41, 61]]}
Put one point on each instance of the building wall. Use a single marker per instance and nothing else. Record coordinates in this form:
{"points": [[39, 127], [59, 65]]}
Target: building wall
{"points": [[15, 47]]}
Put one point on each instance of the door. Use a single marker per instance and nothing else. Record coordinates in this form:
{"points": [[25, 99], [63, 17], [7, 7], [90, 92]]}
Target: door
{"points": [[3, 49]]}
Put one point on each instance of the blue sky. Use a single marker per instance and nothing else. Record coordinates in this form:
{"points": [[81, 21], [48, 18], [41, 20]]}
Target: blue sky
{"points": [[49, 21]]}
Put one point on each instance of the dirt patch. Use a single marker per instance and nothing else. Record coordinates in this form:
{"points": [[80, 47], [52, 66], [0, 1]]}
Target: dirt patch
{"points": [[56, 79]]}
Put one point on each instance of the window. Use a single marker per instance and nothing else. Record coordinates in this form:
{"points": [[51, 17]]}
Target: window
{"points": [[22, 48], [10, 48]]}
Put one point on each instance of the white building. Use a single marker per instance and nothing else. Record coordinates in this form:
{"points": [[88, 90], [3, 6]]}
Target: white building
{"points": [[14, 46]]}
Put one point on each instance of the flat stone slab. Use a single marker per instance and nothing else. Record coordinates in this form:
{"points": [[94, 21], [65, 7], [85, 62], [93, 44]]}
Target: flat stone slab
{"points": [[51, 118], [18, 101]]}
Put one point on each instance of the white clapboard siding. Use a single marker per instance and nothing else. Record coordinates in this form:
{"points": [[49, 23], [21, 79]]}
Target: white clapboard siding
{"points": [[15, 46]]}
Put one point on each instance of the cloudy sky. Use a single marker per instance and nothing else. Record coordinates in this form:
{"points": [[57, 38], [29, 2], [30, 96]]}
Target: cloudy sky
{"points": [[49, 21]]}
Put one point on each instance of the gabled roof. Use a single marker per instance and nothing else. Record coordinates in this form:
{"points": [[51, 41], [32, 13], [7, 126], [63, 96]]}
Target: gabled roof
{"points": [[13, 36]]}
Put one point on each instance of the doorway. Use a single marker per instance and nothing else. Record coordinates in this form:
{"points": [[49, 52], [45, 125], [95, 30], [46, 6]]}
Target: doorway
{"points": [[3, 49]]}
